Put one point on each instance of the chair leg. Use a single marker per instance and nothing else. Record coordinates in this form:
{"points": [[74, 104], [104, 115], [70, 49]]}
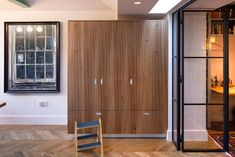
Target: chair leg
{"points": [[101, 139], [75, 138]]}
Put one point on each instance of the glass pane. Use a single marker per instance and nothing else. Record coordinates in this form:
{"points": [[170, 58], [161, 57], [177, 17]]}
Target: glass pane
{"points": [[49, 57], [175, 79], [215, 117], [20, 72], [30, 44], [195, 81], [215, 81], [19, 30], [30, 71], [40, 31], [49, 30], [49, 44], [49, 71], [196, 134], [201, 77], [40, 43], [30, 57], [40, 57], [195, 34], [19, 44], [39, 71], [20, 57]]}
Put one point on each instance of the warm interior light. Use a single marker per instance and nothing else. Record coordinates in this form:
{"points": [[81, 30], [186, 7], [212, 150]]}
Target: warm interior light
{"points": [[39, 29], [137, 3], [163, 6], [19, 29], [212, 40], [29, 29]]}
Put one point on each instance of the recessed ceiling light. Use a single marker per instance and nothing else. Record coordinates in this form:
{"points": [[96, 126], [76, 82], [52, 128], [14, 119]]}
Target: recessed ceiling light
{"points": [[163, 6], [137, 3]]}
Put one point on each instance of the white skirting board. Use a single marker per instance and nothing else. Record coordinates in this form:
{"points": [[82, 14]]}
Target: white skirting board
{"points": [[191, 135], [32, 120]]}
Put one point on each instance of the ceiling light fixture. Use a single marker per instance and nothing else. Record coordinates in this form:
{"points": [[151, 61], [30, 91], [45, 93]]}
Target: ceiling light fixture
{"points": [[163, 6], [137, 3]]}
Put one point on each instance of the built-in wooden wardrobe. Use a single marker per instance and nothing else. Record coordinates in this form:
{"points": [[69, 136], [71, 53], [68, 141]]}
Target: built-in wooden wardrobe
{"points": [[118, 71]]}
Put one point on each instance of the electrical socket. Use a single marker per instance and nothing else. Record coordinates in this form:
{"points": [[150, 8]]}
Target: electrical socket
{"points": [[43, 103]]}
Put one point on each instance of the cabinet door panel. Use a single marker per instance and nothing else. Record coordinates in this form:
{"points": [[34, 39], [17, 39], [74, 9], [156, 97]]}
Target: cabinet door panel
{"points": [[106, 65], [152, 78], [126, 44]]}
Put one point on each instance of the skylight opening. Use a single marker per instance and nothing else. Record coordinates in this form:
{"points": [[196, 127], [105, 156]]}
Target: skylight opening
{"points": [[163, 6]]}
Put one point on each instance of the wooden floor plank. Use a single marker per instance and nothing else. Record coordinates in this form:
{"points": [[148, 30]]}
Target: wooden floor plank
{"points": [[53, 141]]}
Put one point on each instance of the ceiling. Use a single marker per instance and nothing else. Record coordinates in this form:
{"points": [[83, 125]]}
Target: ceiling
{"points": [[125, 7], [60, 5]]}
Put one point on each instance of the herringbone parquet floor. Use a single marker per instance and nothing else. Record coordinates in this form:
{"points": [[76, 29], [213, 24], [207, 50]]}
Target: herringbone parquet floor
{"points": [[53, 141]]}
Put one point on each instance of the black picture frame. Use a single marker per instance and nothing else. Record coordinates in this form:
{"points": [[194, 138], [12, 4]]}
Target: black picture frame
{"points": [[41, 75]]}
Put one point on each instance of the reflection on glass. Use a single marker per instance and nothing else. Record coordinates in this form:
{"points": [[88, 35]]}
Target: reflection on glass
{"points": [[20, 71], [20, 57], [40, 44], [49, 30], [49, 57], [40, 31], [39, 71], [30, 44], [30, 71], [49, 43], [49, 71], [40, 57], [19, 44], [30, 58]]}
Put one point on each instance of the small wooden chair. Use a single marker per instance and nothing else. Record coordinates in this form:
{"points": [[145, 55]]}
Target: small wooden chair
{"points": [[98, 136]]}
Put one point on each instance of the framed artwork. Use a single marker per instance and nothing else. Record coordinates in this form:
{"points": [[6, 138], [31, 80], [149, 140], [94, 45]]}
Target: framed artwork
{"points": [[32, 57]]}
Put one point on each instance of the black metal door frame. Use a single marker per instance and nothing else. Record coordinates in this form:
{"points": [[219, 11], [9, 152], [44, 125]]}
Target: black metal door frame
{"points": [[180, 82]]}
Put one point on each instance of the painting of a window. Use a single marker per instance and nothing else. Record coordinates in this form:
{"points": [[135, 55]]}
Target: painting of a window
{"points": [[32, 56]]}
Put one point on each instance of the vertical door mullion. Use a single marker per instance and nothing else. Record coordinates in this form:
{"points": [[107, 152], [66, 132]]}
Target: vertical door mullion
{"points": [[226, 77], [182, 72]]}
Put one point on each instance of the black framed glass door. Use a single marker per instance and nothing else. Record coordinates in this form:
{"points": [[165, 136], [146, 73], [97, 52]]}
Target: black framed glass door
{"points": [[176, 81], [204, 80]]}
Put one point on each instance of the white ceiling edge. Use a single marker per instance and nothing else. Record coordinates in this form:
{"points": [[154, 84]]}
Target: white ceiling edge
{"points": [[63, 5]]}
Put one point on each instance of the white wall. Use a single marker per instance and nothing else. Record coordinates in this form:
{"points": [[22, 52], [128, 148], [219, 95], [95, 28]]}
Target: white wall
{"points": [[24, 108]]}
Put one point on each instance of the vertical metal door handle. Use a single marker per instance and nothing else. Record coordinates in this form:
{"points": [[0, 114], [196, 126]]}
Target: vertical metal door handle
{"points": [[101, 81], [131, 81], [146, 113], [95, 81]]}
